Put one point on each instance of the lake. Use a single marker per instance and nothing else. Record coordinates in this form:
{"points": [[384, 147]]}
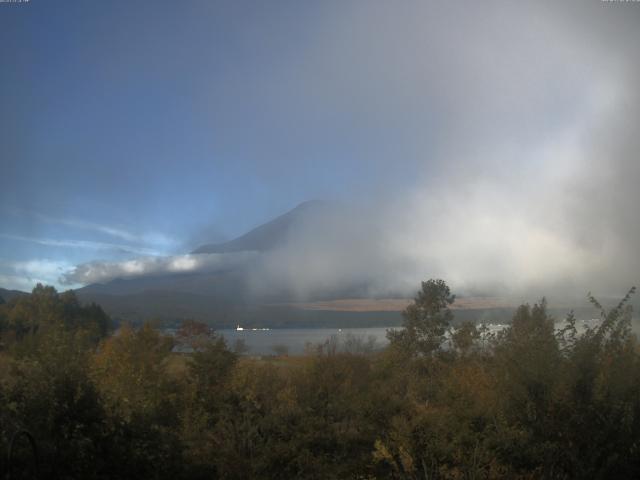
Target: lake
{"points": [[262, 342], [295, 340]]}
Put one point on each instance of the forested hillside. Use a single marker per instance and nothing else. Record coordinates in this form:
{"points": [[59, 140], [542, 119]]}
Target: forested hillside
{"points": [[533, 401]]}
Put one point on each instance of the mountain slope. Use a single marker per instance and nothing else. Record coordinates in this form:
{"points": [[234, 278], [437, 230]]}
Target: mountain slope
{"points": [[227, 296], [268, 235], [207, 295], [7, 295]]}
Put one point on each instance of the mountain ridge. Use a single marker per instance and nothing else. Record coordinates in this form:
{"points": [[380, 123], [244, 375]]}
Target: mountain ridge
{"points": [[266, 236], [7, 294]]}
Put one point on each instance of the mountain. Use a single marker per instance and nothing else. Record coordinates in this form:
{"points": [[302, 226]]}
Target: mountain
{"points": [[269, 235], [7, 295], [217, 287], [225, 297]]}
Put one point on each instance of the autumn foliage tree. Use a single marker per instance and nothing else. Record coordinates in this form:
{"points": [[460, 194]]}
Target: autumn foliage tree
{"points": [[426, 321], [540, 399]]}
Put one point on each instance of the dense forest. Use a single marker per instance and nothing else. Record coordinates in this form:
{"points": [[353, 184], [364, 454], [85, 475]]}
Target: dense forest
{"points": [[539, 399]]}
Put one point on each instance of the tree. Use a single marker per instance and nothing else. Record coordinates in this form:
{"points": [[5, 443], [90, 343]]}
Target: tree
{"points": [[206, 391], [210, 368], [50, 394], [240, 347], [464, 337], [129, 369], [196, 335], [528, 368], [45, 309], [427, 321], [142, 403], [601, 409]]}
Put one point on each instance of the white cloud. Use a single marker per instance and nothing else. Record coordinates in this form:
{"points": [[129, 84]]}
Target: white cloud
{"points": [[85, 244], [100, 272], [24, 275], [156, 239], [18, 282]]}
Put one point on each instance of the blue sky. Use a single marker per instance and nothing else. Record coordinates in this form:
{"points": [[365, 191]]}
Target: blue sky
{"points": [[137, 129]]}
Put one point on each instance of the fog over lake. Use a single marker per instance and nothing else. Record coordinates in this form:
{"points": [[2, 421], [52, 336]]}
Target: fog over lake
{"points": [[296, 340]]}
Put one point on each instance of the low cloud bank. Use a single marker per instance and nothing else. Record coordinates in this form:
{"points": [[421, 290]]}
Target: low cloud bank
{"points": [[101, 272], [478, 241]]}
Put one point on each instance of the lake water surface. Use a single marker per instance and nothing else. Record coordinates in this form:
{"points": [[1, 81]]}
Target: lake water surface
{"points": [[295, 340], [262, 342]]}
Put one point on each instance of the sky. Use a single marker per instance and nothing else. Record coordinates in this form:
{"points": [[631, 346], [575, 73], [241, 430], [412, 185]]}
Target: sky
{"points": [[494, 144]]}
